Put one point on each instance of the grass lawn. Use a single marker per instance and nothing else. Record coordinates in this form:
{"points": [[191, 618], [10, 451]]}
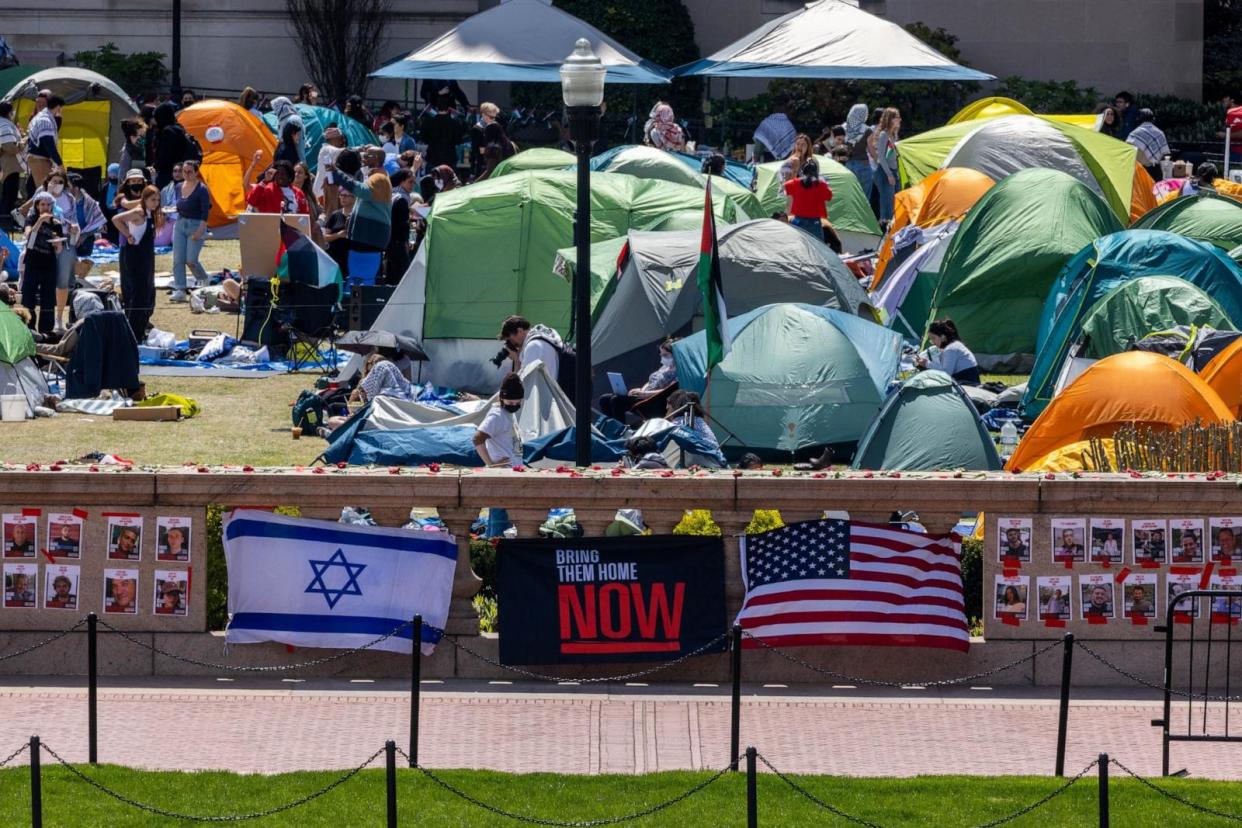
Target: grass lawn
{"points": [[923, 801]]}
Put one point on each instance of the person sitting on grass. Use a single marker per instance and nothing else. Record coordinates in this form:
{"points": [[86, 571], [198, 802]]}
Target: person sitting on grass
{"points": [[380, 378], [949, 354]]}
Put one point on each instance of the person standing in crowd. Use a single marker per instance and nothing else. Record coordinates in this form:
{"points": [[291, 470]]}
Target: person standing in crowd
{"points": [[57, 184], [808, 198], [290, 146], [336, 231], [276, 195], [441, 179], [249, 101], [888, 132], [386, 113], [497, 148], [356, 109], [134, 153], [1150, 142], [949, 354], [10, 159], [397, 256], [307, 94], [168, 194], [442, 133], [370, 222], [774, 137], [1123, 104], [488, 113], [431, 90], [188, 98], [90, 221], [43, 141], [801, 153], [1108, 122], [402, 139], [333, 143], [303, 182], [193, 208], [172, 144], [138, 228], [856, 134], [662, 130], [45, 237], [527, 343]]}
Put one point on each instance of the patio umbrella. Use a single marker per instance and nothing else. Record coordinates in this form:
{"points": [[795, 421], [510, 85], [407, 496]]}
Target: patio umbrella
{"points": [[519, 40], [364, 342], [831, 39]]}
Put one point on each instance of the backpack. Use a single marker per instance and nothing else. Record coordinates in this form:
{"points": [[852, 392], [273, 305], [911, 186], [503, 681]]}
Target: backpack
{"points": [[566, 365], [309, 412], [193, 149]]}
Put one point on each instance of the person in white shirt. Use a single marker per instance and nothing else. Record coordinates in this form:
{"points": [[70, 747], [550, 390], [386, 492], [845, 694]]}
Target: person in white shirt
{"points": [[527, 343], [495, 439], [949, 354]]}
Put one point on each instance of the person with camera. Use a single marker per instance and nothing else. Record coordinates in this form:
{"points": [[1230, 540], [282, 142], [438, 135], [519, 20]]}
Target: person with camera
{"points": [[524, 343]]}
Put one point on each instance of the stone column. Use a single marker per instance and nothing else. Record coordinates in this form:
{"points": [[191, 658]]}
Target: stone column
{"points": [[462, 619]]}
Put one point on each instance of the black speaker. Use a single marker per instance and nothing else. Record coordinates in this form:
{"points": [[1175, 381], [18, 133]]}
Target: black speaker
{"points": [[365, 304], [260, 324]]}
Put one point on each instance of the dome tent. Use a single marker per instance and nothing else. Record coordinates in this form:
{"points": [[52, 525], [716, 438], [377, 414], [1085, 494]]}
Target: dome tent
{"points": [[644, 285], [658, 165], [90, 130], [536, 158], [1002, 260], [849, 211], [627, 156], [229, 136], [316, 119], [998, 107], [928, 403], [999, 147], [1224, 375], [1150, 303], [1102, 265], [1132, 387], [1208, 217], [797, 375], [17, 365]]}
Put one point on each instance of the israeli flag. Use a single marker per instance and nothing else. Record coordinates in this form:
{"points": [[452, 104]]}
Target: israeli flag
{"points": [[316, 583]]}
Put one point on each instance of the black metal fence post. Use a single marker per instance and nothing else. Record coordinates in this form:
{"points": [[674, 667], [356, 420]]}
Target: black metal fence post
{"points": [[735, 713], [416, 685], [390, 781], [1103, 768], [752, 792], [92, 687], [36, 785], [1067, 666]]}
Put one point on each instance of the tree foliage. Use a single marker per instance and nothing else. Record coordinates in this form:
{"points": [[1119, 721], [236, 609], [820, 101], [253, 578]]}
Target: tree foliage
{"points": [[341, 42], [1222, 48], [138, 73]]}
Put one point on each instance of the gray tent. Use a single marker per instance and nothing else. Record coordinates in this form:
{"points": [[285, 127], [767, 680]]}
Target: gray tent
{"points": [[644, 286]]}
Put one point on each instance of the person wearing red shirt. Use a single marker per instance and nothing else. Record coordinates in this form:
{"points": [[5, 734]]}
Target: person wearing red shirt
{"points": [[277, 194], [808, 198]]}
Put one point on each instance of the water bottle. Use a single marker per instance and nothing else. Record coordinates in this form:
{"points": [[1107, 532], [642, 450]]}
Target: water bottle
{"points": [[1166, 167], [1008, 439]]}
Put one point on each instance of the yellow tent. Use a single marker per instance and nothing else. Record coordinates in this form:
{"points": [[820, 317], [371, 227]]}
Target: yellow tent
{"points": [[999, 107]]}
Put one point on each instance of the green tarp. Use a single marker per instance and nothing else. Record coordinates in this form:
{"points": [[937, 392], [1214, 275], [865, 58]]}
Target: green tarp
{"points": [[536, 158], [1208, 216], [1134, 309], [491, 246], [849, 211], [1006, 254], [16, 342], [929, 403]]}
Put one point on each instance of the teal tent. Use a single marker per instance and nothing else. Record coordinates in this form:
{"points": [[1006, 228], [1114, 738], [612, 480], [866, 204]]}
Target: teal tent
{"points": [[1100, 267], [658, 165], [849, 211], [1141, 306], [1207, 216], [736, 171], [315, 119], [796, 376], [929, 403]]}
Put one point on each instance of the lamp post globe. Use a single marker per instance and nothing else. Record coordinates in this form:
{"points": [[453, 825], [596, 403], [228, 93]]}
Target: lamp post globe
{"points": [[582, 87]]}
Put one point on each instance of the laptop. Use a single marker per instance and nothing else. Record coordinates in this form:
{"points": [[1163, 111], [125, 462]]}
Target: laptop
{"points": [[618, 384]]}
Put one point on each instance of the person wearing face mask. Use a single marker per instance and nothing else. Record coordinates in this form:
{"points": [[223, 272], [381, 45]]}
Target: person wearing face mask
{"points": [[616, 405], [46, 236], [495, 438], [57, 185]]}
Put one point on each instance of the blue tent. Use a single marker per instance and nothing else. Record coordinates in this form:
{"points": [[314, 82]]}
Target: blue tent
{"points": [[315, 119], [736, 171], [831, 39], [1105, 264], [519, 40]]}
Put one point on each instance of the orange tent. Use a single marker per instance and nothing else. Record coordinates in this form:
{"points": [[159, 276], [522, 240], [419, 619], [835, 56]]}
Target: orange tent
{"points": [[945, 195], [1223, 374], [229, 136], [1142, 193], [1131, 387]]}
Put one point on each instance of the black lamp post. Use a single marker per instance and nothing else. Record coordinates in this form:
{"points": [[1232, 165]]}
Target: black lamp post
{"points": [[174, 87], [582, 87]]}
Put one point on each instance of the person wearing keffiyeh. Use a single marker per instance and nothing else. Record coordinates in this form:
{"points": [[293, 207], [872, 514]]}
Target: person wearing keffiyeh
{"points": [[774, 137], [1150, 142], [856, 134], [662, 130]]}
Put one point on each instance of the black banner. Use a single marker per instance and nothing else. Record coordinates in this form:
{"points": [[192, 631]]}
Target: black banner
{"points": [[599, 600]]}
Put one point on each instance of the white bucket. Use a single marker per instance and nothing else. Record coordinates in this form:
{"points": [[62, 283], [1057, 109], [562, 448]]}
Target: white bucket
{"points": [[12, 407]]}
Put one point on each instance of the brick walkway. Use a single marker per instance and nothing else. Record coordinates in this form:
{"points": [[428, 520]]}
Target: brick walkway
{"points": [[278, 726]]}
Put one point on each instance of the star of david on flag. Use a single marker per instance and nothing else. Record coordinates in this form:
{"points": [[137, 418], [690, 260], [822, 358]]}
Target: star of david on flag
{"points": [[316, 583]]}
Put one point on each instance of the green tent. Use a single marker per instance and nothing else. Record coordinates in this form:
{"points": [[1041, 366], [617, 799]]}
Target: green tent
{"points": [[999, 147], [849, 211], [1134, 309], [657, 165], [1208, 216], [17, 367], [16, 342], [490, 247], [315, 119], [796, 376], [535, 158], [1236, 253], [929, 403], [1005, 256]]}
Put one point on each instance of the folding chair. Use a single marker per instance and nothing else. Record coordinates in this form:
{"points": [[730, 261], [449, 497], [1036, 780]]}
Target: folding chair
{"points": [[309, 320]]}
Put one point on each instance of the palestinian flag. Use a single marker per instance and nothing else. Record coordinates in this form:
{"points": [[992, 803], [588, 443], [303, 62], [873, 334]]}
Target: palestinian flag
{"points": [[301, 260], [715, 317]]}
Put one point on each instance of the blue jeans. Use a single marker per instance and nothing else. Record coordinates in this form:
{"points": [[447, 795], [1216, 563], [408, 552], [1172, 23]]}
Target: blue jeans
{"points": [[185, 251], [863, 172], [886, 194], [810, 225]]}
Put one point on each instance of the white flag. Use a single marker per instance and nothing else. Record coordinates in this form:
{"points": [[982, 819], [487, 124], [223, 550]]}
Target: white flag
{"points": [[317, 583]]}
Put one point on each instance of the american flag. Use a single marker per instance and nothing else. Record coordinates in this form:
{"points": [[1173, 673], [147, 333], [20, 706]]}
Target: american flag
{"points": [[843, 582]]}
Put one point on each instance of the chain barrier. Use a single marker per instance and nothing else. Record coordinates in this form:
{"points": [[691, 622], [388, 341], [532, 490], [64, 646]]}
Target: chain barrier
{"points": [[42, 643], [25, 747], [1039, 803], [805, 794], [592, 679], [1175, 797], [1139, 680], [901, 684], [532, 820], [153, 809], [278, 668]]}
